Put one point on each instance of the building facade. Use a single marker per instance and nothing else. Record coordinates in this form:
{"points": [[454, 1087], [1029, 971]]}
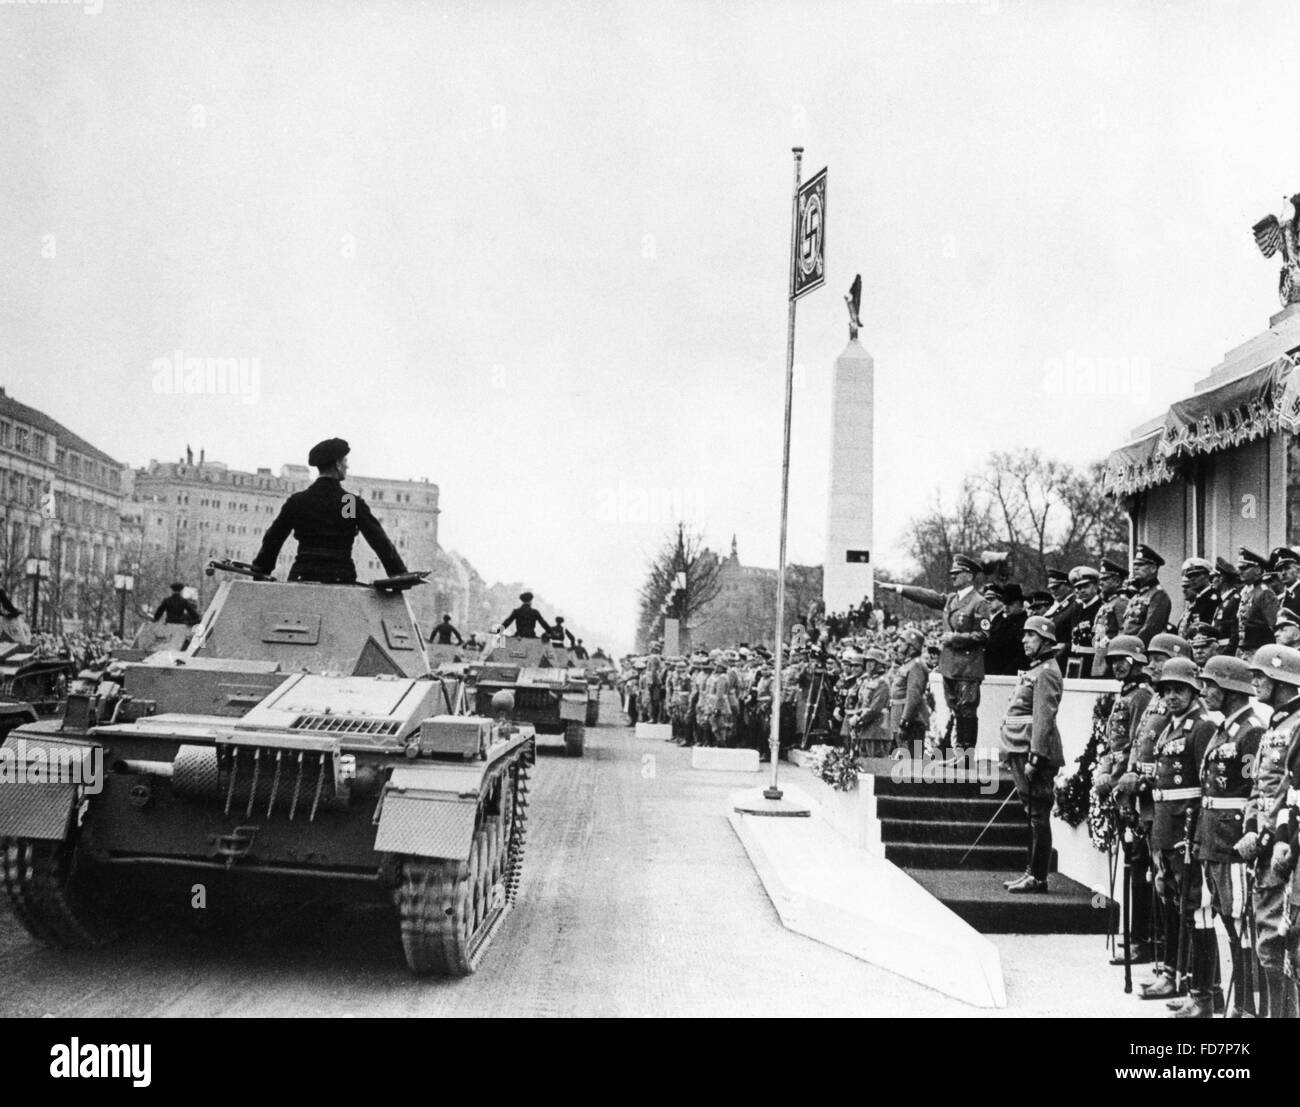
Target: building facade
{"points": [[190, 512], [1220, 469], [744, 610], [62, 498]]}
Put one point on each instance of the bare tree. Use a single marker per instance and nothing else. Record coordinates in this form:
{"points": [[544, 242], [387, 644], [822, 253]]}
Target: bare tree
{"points": [[683, 551]]}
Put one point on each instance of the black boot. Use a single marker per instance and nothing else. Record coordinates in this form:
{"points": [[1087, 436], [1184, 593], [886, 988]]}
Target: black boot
{"points": [[1243, 991], [1200, 1002]]}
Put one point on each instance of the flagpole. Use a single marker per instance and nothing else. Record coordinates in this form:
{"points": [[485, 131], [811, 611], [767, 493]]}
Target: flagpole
{"points": [[773, 791]]}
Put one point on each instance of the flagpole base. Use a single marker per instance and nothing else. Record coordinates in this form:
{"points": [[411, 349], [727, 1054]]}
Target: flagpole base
{"points": [[756, 801]]}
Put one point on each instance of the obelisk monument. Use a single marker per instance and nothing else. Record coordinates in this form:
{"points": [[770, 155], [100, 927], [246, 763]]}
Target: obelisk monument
{"points": [[847, 574]]}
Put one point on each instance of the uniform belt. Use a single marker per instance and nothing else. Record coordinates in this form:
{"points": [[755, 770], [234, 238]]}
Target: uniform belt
{"points": [[1224, 803], [323, 554], [1172, 795], [1085, 649]]}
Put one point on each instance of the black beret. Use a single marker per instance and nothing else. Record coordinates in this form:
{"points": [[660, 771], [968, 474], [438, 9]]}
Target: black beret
{"points": [[1147, 554], [177, 587], [527, 597], [325, 454]]}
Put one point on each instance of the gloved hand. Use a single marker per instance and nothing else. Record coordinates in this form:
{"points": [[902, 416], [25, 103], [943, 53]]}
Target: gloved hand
{"points": [[1282, 859], [1101, 782], [1128, 784], [1247, 848]]}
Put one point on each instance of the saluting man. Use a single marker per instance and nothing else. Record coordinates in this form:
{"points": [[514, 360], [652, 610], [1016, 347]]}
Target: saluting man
{"points": [[1202, 599], [1032, 748], [1257, 605], [966, 622], [1148, 611], [325, 518]]}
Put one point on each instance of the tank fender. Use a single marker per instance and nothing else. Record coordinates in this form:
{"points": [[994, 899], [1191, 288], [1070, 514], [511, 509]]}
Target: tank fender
{"points": [[573, 707], [428, 811], [40, 780]]}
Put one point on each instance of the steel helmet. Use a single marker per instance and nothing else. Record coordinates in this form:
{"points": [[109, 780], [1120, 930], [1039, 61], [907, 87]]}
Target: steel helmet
{"points": [[1042, 626], [1229, 673], [503, 702], [912, 637], [877, 655], [1277, 663], [1180, 670], [1170, 644], [1127, 645]]}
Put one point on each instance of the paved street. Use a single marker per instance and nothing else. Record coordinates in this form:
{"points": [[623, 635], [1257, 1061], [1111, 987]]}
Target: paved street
{"points": [[638, 900]]}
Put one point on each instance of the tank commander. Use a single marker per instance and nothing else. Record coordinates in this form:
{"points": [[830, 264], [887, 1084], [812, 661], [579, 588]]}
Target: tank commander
{"points": [[558, 633], [325, 518], [525, 618], [444, 632], [177, 608], [579, 650]]}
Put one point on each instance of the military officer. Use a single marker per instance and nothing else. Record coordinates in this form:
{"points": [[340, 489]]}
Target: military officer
{"points": [[1064, 613], [1226, 773], [1256, 606], [1175, 790], [966, 623], [526, 618], [325, 518], [1287, 628], [557, 634], [1287, 564], [846, 694], [1004, 655], [1038, 602], [177, 608], [1228, 584], [1109, 620], [720, 702], [679, 702], [1202, 601], [1127, 659], [1032, 751], [1204, 644], [1148, 611], [1134, 802], [1276, 680], [909, 709], [1086, 582]]}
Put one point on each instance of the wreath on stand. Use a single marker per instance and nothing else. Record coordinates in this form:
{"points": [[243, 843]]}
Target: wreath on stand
{"points": [[837, 766], [1076, 799]]}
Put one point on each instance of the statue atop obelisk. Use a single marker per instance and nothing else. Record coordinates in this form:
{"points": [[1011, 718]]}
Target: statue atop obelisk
{"points": [[847, 572]]}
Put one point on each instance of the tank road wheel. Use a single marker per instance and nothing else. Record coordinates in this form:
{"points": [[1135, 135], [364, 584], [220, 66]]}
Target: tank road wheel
{"points": [[574, 737], [593, 711], [450, 909], [53, 896]]}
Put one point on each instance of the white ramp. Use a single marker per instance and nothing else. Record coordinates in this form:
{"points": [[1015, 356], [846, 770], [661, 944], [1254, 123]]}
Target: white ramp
{"points": [[722, 759], [829, 890], [654, 730]]}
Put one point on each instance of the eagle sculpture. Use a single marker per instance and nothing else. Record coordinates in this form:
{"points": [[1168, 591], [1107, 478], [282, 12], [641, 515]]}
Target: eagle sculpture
{"points": [[1282, 232], [854, 302]]}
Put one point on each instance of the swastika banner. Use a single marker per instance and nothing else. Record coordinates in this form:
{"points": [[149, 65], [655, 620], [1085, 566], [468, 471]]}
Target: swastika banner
{"points": [[809, 269]]}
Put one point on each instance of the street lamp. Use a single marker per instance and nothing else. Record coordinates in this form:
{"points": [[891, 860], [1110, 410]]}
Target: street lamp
{"points": [[38, 569], [125, 584]]}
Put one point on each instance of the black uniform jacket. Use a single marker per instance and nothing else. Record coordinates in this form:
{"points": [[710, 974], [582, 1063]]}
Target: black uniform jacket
{"points": [[325, 518]]}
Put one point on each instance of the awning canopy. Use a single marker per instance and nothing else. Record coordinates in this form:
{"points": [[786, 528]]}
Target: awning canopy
{"points": [[1250, 407]]}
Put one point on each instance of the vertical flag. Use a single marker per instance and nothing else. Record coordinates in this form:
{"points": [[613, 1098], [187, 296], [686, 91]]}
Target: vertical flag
{"points": [[808, 269]]}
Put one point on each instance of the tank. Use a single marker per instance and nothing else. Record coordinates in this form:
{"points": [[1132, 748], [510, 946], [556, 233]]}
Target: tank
{"points": [[550, 691], [31, 687], [299, 748]]}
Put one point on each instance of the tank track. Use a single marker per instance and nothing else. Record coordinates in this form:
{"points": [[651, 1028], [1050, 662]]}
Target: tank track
{"points": [[575, 735], [39, 877], [450, 910]]}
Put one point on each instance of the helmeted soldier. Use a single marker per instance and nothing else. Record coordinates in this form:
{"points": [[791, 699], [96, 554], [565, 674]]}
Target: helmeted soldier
{"points": [[1108, 623], [846, 694], [720, 703], [1176, 792], [1133, 796], [909, 710], [1202, 601], [1227, 582], [1032, 748], [526, 618], [1256, 606], [1226, 772], [1086, 582], [869, 722], [1148, 611], [325, 518], [1127, 659], [1276, 673], [966, 622]]}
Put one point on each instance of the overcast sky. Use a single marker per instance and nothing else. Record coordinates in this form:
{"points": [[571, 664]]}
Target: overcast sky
{"points": [[538, 252]]}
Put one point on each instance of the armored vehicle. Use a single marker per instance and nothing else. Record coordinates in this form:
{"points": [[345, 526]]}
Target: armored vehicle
{"points": [[299, 748], [549, 692]]}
